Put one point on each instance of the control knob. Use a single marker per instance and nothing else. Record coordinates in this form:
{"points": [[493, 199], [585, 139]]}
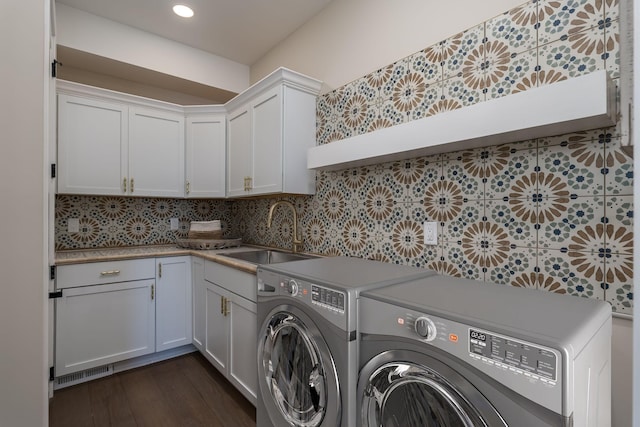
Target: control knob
{"points": [[292, 288], [425, 328]]}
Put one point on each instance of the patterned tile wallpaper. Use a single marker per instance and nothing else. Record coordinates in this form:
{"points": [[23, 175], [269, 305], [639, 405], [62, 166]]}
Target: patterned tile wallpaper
{"points": [[553, 213], [127, 221]]}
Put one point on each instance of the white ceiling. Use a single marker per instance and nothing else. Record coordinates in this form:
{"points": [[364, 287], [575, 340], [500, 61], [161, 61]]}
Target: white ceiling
{"points": [[240, 30]]}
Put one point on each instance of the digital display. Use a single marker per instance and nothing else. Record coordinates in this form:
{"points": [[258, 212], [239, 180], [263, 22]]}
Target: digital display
{"points": [[477, 335], [513, 354]]}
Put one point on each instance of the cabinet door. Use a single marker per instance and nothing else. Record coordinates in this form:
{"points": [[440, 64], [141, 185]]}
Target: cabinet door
{"points": [[156, 153], [102, 324], [173, 302], [92, 146], [199, 303], [238, 151], [205, 150], [266, 132], [217, 335], [243, 346]]}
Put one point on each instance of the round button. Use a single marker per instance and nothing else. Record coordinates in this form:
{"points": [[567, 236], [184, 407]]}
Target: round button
{"points": [[425, 328], [292, 287]]}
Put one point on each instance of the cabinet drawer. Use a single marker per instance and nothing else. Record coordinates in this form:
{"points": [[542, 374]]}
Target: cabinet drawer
{"points": [[236, 281], [69, 276]]}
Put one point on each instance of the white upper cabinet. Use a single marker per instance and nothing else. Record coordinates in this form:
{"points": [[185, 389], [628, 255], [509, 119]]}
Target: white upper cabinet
{"points": [[116, 144], [112, 143], [205, 154], [270, 128], [92, 146], [156, 153]]}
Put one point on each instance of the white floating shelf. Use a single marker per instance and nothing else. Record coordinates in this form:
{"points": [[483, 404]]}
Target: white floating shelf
{"points": [[581, 103]]}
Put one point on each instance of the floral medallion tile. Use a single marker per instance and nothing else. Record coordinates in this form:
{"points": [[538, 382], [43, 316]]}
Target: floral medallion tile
{"points": [[463, 169], [619, 210], [509, 270], [429, 104], [574, 167], [611, 9], [511, 28], [397, 73], [443, 201], [469, 214], [458, 48], [611, 54], [582, 53], [516, 74], [504, 169], [355, 237], [459, 262], [407, 239], [430, 70], [388, 113], [462, 91], [561, 221], [358, 114], [620, 296], [431, 172], [521, 232], [618, 169], [559, 19], [579, 274]]}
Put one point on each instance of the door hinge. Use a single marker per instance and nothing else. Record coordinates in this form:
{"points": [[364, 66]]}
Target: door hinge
{"points": [[52, 373], [56, 294], [52, 272], [53, 170], [54, 68]]}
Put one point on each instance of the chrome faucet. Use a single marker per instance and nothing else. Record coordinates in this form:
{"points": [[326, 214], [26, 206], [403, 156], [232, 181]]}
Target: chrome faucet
{"points": [[296, 241]]}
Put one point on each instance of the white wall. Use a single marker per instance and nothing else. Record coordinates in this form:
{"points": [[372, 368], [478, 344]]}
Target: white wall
{"points": [[23, 378], [351, 38], [89, 33]]}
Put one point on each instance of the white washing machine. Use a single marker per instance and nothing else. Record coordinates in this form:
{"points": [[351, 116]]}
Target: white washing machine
{"points": [[307, 338], [443, 351]]}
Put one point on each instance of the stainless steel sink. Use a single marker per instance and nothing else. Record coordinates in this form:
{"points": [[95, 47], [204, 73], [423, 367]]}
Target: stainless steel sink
{"points": [[267, 256]]}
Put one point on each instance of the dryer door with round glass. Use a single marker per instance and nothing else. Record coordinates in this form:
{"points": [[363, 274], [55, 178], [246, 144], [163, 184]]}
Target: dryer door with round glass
{"points": [[405, 393], [296, 372]]}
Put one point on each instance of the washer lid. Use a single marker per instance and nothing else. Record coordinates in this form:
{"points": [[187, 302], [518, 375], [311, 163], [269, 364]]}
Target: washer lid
{"points": [[348, 273], [521, 312]]}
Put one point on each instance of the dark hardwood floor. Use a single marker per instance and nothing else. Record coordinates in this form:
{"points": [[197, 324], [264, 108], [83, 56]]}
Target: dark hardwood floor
{"points": [[185, 391]]}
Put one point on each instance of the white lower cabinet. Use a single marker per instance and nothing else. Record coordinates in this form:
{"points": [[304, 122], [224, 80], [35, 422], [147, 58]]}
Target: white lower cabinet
{"points": [[173, 302], [113, 311], [199, 303], [101, 324], [230, 326]]}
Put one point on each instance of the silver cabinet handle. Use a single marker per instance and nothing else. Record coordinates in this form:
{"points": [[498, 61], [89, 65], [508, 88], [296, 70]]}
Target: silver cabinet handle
{"points": [[110, 273]]}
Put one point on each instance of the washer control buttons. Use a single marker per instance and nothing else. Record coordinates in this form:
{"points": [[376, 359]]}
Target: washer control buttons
{"points": [[328, 298], [425, 328], [292, 287]]}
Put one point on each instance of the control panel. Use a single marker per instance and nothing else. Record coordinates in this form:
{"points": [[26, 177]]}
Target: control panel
{"points": [[524, 358], [328, 298]]}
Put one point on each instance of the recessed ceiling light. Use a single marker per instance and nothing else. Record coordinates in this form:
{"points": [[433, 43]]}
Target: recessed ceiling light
{"points": [[182, 10]]}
